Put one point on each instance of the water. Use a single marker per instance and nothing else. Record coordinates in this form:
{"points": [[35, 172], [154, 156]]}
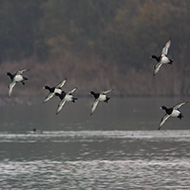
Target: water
{"points": [[119, 147]]}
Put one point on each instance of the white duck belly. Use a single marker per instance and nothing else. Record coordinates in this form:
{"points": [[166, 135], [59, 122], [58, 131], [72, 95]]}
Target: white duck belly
{"points": [[68, 98], [102, 97], [18, 78], [165, 60], [175, 113]]}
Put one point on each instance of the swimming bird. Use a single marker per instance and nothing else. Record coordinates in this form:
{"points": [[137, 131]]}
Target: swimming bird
{"points": [[54, 90], [65, 97], [171, 112], [162, 59], [37, 131], [99, 97], [15, 78]]}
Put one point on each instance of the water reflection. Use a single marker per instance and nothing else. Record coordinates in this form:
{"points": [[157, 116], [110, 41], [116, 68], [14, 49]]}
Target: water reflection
{"points": [[119, 114]]}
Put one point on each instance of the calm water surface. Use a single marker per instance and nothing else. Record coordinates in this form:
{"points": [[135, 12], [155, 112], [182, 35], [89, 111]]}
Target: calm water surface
{"points": [[118, 147]]}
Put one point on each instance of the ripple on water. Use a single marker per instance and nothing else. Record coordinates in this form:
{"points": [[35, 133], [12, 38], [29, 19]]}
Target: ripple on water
{"points": [[178, 135], [98, 174]]}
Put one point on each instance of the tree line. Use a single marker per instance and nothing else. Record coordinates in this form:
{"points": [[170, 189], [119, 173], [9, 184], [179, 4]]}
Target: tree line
{"points": [[110, 39]]}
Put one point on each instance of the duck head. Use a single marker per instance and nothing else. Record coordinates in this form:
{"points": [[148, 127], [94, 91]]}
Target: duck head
{"points": [[10, 75], [163, 107], [48, 88], [92, 92], [155, 57]]}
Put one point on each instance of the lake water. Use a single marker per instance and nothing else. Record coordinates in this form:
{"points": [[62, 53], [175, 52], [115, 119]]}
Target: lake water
{"points": [[119, 147]]}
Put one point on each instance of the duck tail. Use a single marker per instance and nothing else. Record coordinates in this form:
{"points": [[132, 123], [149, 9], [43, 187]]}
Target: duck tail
{"points": [[107, 99], [171, 61], [74, 99], [180, 116]]}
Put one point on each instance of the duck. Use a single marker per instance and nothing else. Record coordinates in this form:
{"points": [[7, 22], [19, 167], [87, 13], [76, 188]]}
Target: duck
{"points": [[171, 112], [163, 58], [15, 78], [37, 131], [65, 97], [99, 97], [54, 90]]}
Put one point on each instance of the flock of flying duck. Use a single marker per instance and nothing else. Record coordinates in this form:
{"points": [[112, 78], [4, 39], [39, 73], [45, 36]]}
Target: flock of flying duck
{"points": [[99, 97], [57, 91]]}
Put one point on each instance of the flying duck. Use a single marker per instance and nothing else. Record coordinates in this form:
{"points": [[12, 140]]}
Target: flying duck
{"points": [[66, 97], [173, 112], [162, 59], [99, 97], [15, 78], [54, 90]]}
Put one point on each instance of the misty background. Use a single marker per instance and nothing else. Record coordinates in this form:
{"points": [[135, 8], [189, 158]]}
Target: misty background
{"points": [[97, 45]]}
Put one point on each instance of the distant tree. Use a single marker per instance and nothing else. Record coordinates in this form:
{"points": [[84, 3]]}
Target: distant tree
{"points": [[19, 31], [76, 25], [125, 33]]}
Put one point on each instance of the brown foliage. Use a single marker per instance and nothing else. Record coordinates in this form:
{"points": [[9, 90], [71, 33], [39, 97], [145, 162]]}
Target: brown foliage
{"points": [[92, 73]]}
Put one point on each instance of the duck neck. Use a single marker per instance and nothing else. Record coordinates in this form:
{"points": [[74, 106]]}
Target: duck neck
{"points": [[94, 94], [10, 75], [50, 89], [155, 57]]}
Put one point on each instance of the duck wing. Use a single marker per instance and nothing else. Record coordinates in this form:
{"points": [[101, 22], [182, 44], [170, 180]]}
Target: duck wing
{"points": [[72, 91], [19, 72], [11, 86], [157, 68], [48, 97], [179, 105], [166, 47], [105, 92], [60, 106], [166, 116], [94, 106], [62, 83]]}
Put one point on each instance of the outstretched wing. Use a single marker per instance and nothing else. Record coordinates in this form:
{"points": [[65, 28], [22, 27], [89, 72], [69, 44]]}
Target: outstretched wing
{"points": [[105, 92], [94, 106], [60, 106], [157, 68], [11, 86], [49, 96], [166, 47], [179, 105], [61, 84], [72, 91], [19, 72], [166, 116]]}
